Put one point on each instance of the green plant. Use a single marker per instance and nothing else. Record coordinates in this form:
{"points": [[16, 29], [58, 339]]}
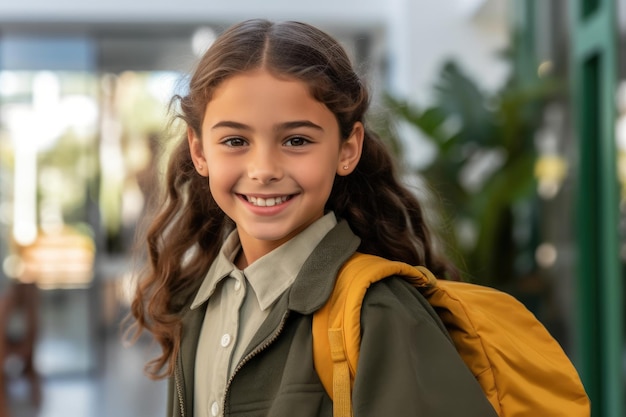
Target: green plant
{"points": [[483, 170]]}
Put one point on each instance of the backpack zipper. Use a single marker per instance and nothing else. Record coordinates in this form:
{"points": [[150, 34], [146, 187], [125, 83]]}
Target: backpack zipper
{"points": [[252, 354]]}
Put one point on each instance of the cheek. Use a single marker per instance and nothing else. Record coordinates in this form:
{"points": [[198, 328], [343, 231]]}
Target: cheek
{"points": [[317, 176], [220, 176], [218, 166]]}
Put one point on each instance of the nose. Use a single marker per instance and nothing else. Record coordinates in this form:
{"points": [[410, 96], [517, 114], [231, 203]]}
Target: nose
{"points": [[265, 166]]}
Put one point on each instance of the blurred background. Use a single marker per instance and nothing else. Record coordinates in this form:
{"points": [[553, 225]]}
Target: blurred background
{"points": [[509, 114]]}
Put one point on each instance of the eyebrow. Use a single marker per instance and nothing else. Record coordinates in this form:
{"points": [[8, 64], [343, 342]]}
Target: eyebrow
{"points": [[283, 126]]}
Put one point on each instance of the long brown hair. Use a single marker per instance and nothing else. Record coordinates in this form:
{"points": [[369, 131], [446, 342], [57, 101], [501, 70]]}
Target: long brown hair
{"points": [[189, 227]]}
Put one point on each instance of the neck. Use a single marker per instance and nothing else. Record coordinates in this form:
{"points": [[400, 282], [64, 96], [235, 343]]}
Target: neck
{"points": [[241, 261]]}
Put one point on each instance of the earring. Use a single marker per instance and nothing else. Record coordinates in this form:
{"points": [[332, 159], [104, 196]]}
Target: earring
{"points": [[345, 167]]}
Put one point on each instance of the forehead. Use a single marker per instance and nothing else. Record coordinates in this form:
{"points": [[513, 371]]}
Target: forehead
{"points": [[264, 96], [260, 82]]}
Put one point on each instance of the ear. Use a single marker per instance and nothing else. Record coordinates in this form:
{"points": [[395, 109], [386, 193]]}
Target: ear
{"points": [[197, 154], [350, 152]]}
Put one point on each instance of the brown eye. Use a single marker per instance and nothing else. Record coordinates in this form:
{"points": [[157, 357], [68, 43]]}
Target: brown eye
{"points": [[296, 141], [234, 142]]}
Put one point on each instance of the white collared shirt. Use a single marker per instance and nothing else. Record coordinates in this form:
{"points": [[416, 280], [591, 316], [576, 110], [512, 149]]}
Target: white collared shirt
{"points": [[238, 303]]}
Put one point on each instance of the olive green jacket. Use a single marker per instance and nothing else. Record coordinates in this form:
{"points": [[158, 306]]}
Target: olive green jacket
{"points": [[407, 367]]}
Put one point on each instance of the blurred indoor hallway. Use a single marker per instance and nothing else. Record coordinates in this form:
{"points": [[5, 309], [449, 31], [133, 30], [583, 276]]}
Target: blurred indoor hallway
{"points": [[118, 389], [74, 342]]}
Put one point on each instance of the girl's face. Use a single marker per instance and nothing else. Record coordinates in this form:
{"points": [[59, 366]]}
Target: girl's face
{"points": [[271, 153]]}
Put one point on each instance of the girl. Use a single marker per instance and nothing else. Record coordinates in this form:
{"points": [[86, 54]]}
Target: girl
{"points": [[276, 184]]}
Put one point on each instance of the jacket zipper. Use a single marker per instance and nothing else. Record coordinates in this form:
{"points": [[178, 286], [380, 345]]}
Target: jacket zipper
{"points": [[179, 387], [252, 354]]}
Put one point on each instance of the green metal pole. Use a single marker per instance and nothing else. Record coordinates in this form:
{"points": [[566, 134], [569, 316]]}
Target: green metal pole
{"points": [[594, 75], [524, 25]]}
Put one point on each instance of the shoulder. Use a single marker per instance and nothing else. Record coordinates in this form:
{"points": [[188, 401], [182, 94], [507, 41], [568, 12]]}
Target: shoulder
{"points": [[395, 299], [404, 346]]}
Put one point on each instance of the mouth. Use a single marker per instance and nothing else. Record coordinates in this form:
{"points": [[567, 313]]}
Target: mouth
{"points": [[266, 201]]}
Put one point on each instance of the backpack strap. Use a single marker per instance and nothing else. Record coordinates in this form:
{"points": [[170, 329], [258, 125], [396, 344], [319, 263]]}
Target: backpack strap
{"points": [[338, 323]]}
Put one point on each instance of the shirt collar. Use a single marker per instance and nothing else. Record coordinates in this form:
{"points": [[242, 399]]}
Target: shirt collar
{"points": [[221, 267], [270, 275]]}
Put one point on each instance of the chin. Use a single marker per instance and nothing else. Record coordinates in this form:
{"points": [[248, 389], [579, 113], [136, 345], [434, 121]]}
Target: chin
{"points": [[271, 234], [270, 237]]}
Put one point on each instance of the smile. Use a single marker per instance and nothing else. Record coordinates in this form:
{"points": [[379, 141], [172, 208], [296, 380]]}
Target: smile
{"points": [[266, 202]]}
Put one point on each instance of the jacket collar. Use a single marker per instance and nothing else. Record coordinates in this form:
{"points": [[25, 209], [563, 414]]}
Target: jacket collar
{"points": [[316, 279], [314, 283]]}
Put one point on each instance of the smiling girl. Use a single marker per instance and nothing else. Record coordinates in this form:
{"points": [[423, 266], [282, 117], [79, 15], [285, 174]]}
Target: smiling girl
{"points": [[277, 182]]}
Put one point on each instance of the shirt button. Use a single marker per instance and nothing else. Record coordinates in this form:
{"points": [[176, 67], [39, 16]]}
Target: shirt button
{"points": [[237, 285], [215, 409], [225, 340]]}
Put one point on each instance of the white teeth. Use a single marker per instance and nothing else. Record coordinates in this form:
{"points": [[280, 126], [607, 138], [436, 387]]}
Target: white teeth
{"points": [[267, 202]]}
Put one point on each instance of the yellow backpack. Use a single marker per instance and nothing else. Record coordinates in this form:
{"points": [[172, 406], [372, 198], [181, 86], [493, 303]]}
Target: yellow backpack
{"points": [[493, 332]]}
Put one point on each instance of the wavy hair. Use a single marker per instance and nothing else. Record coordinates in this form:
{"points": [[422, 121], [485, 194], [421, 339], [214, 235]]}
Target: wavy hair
{"points": [[188, 229]]}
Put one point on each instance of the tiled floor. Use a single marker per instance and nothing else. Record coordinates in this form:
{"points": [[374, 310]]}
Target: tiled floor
{"points": [[86, 371], [119, 390]]}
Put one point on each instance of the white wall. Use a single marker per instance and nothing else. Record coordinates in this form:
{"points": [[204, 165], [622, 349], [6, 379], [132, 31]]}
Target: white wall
{"points": [[364, 11], [430, 32], [413, 37]]}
